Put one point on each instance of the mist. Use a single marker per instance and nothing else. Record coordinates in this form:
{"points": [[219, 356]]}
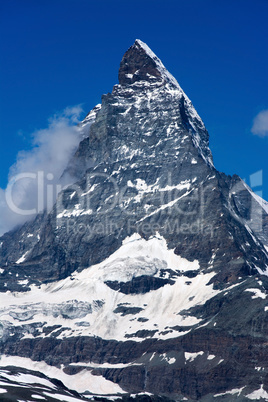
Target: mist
{"points": [[260, 124], [35, 179]]}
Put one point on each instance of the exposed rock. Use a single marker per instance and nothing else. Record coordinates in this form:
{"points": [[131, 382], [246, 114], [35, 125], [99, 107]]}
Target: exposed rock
{"points": [[150, 271]]}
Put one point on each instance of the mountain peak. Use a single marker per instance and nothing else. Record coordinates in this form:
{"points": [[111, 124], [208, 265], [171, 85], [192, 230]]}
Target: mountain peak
{"points": [[140, 63], [145, 266]]}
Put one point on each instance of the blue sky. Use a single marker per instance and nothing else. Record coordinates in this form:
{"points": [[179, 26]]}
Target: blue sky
{"points": [[61, 53]]}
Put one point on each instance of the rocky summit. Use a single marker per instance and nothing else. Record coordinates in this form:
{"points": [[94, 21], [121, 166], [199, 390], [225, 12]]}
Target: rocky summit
{"points": [[148, 278]]}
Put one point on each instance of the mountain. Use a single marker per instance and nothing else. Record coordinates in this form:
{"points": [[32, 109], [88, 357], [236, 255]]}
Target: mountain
{"points": [[148, 278]]}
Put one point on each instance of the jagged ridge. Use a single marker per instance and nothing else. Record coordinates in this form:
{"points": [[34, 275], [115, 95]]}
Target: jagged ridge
{"points": [[149, 255]]}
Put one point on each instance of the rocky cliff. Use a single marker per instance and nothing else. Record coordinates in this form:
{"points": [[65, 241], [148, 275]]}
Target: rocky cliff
{"points": [[149, 275]]}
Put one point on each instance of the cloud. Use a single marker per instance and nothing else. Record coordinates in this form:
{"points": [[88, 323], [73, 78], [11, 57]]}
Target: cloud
{"points": [[260, 124], [35, 178]]}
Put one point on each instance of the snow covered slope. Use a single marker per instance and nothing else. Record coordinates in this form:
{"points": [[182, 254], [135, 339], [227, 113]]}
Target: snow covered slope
{"points": [[149, 275]]}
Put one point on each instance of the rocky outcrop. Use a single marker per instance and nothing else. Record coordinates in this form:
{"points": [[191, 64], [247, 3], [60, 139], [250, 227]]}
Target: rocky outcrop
{"points": [[150, 271]]}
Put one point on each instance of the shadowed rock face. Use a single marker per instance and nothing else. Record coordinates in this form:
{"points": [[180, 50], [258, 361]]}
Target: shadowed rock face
{"points": [[150, 271], [137, 65]]}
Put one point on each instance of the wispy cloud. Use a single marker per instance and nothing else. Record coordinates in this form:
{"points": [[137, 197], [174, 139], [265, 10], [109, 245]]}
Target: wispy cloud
{"points": [[34, 178], [260, 124]]}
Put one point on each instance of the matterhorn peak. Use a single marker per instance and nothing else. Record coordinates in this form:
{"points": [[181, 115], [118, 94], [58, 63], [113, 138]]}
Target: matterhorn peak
{"points": [[140, 63], [145, 266]]}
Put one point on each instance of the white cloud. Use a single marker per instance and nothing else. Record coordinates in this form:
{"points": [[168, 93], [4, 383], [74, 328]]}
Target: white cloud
{"points": [[260, 124], [34, 178]]}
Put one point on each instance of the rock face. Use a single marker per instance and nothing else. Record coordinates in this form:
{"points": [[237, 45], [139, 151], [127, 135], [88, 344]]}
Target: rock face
{"points": [[149, 275]]}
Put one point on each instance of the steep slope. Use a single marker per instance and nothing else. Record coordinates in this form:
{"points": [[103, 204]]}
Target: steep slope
{"points": [[149, 264]]}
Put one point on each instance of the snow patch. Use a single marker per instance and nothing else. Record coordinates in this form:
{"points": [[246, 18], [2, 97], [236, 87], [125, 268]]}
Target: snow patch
{"points": [[210, 357], [23, 258], [23, 282], [165, 206], [169, 360], [134, 247], [81, 382], [51, 303], [257, 293], [191, 356], [64, 398], [232, 392], [258, 394], [28, 379]]}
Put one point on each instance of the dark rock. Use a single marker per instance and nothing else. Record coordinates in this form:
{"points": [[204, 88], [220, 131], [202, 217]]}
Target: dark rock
{"points": [[141, 284], [144, 166], [143, 333], [125, 310]]}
